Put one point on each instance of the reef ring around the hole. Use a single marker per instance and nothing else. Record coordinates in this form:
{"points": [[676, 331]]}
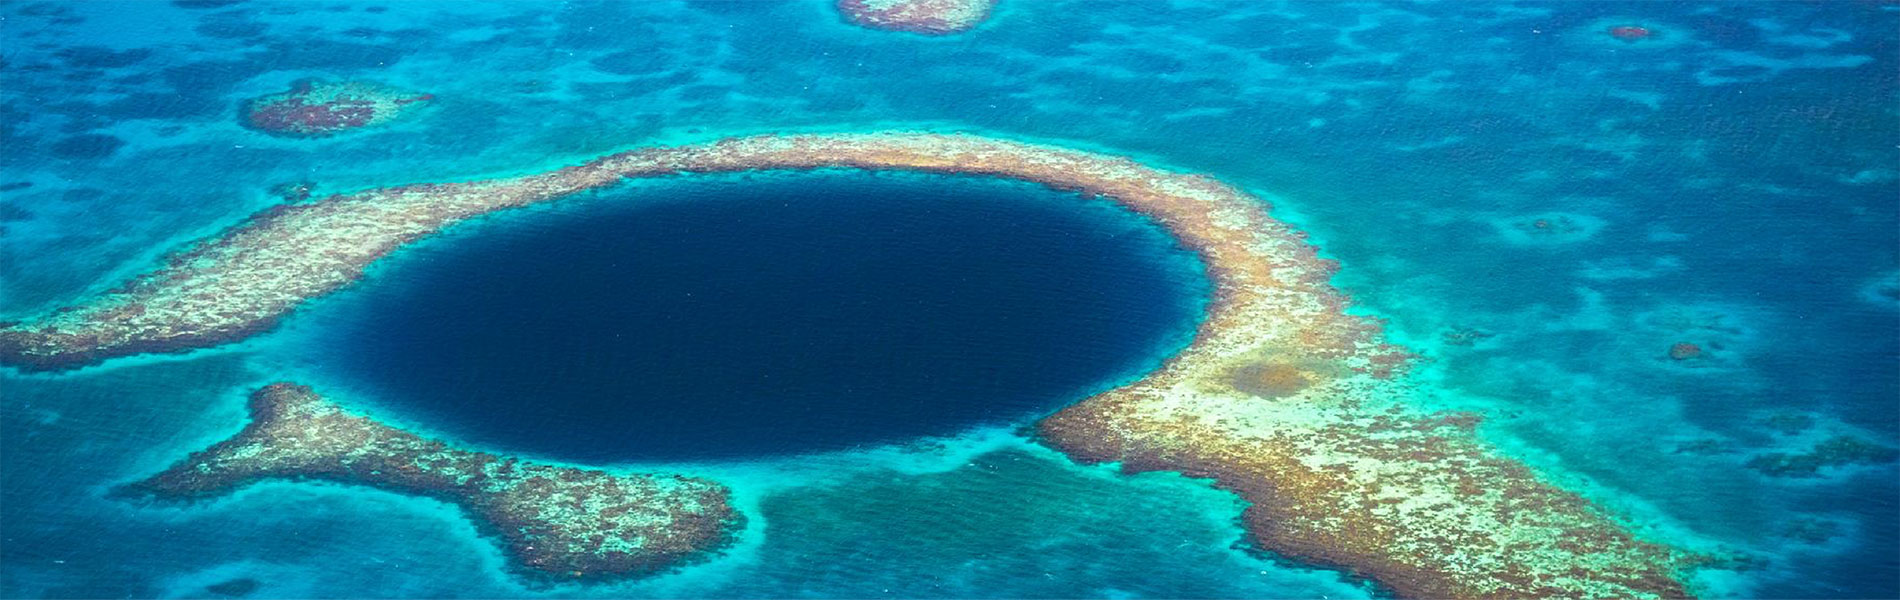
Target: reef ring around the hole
{"points": [[1282, 397], [756, 316]]}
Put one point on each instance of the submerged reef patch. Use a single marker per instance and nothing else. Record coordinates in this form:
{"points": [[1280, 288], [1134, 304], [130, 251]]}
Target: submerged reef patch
{"points": [[87, 146], [313, 108], [557, 523], [1685, 351], [1339, 470], [1704, 337], [929, 17], [1834, 452], [1547, 229], [1631, 33]]}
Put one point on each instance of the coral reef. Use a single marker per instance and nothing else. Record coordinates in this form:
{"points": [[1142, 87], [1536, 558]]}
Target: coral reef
{"points": [[1837, 451], [1810, 530], [1282, 397], [1548, 229], [1413, 501], [1550, 225], [1631, 33], [1465, 336], [1635, 32], [1700, 337], [1271, 379], [1705, 447], [1685, 351], [87, 146], [929, 17], [555, 522], [313, 108], [297, 191], [240, 282]]}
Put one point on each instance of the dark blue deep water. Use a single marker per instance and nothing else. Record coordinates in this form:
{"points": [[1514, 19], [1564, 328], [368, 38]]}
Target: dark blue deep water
{"points": [[768, 315]]}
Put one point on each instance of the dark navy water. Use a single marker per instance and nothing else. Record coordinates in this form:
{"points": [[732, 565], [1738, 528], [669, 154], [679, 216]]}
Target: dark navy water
{"points": [[768, 315]]}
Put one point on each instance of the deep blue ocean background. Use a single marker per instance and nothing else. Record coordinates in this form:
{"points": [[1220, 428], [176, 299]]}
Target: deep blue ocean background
{"points": [[1732, 182]]}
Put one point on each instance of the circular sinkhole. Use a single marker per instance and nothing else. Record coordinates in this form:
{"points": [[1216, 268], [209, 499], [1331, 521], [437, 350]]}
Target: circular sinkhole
{"points": [[764, 314]]}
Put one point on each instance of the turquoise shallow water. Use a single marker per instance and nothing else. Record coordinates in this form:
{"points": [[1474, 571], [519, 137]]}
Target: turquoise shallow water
{"points": [[1730, 183]]}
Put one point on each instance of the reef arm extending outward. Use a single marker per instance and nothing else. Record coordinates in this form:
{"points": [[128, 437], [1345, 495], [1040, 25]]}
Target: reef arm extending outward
{"points": [[1414, 502], [1282, 397], [555, 522]]}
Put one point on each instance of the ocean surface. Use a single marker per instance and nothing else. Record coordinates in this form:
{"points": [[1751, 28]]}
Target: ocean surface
{"points": [[1539, 208]]}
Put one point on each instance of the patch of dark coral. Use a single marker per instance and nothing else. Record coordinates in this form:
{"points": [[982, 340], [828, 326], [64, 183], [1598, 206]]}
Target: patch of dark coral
{"points": [[1809, 530], [317, 109], [1705, 447], [1685, 351], [91, 146], [296, 191], [1270, 379], [10, 213], [96, 57], [1838, 451], [1464, 336]]}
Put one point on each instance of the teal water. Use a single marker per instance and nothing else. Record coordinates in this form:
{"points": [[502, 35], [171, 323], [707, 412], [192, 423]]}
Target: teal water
{"points": [[1731, 184]]}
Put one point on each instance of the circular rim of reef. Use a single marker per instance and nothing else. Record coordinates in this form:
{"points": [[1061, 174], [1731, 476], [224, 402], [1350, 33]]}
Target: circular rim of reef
{"points": [[1282, 396]]}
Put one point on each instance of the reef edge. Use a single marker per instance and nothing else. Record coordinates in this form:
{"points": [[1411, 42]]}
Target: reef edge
{"points": [[554, 523], [1282, 397]]}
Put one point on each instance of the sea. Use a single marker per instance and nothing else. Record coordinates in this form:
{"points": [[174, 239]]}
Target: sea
{"points": [[1545, 210]]}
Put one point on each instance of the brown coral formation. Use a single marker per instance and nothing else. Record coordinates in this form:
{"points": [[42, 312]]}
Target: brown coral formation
{"points": [[1684, 351], [1338, 469], [929, 17], [555, 522], [314, 108]]}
